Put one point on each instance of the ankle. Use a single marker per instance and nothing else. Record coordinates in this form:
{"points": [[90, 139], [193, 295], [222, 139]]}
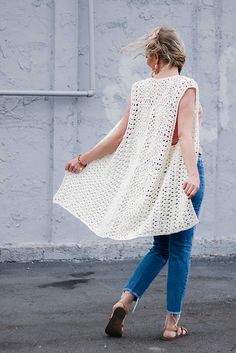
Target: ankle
{"points": [[171, 321], [127, 298]]}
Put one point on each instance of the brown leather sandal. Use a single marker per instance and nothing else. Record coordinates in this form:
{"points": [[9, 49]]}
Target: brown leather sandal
{"points": [[180, 332], [116, 321]]}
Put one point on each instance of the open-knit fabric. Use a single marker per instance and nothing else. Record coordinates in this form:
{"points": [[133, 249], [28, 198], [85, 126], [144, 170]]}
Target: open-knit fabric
{"points": [[137, 190]]}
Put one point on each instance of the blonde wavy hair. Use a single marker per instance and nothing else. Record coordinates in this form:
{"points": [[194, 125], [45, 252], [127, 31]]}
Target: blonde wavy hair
{"points": [[164, 41]]}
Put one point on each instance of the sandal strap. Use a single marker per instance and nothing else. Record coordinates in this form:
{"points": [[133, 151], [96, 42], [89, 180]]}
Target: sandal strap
{"points": [[182, 332], [176, 320], [184, 328], [176, 328]]}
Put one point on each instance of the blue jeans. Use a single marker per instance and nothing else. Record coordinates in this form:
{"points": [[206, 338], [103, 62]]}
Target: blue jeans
{"points": [[173, 247]]}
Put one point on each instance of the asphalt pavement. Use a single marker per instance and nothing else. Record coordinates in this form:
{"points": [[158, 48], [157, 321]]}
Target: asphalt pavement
{"points": [[63, 307]]}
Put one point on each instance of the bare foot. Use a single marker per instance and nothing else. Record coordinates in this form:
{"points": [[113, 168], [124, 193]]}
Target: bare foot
{"points": [[171, 329], [174, 331]]}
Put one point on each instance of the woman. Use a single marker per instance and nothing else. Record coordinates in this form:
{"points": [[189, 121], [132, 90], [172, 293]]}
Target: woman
{"points": [[158, 98]]}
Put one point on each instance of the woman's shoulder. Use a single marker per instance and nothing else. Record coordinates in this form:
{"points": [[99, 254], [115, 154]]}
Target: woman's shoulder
{"points": [[189, 80], [176, 80], [151, 79]]}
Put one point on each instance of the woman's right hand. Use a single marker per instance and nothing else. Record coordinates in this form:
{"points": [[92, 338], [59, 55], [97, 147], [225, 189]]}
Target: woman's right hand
{"points": [[74, 166], [191, 185]]}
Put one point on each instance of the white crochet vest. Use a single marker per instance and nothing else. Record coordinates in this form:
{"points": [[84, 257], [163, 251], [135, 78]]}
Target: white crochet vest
{"points": [[137, 190]]}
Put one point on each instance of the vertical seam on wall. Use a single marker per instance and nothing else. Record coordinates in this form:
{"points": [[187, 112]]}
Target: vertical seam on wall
{"points": [[218, 22], [77, 100], [195, 50], [51, 136]]}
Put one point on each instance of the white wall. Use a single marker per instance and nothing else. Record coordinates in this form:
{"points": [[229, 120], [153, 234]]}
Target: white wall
{"points": [[44, 45]]}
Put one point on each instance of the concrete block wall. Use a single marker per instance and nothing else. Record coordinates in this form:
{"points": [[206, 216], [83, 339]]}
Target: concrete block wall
{"points": [[44, 44]]}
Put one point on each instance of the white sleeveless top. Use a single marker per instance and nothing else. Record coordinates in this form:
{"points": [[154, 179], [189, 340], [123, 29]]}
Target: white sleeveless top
{"points": [[137, 190]]}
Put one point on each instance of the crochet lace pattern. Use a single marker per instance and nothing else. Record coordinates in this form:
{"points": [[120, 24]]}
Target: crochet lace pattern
{"points": [[137, 190]]}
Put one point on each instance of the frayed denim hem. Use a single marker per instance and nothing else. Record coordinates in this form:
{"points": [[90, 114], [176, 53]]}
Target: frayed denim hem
{"points": [[134, 293], [174, 312]]}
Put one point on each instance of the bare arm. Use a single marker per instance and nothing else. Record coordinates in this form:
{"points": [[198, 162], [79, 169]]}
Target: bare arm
{"points": [[185, 120], [107, 145]]}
